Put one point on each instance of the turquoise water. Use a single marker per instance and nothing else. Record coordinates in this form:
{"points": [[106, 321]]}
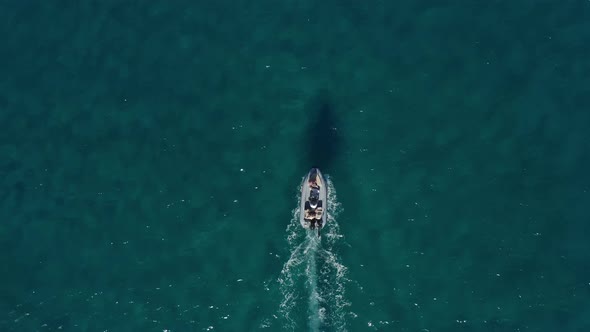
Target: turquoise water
{"points": [[151, 153]]}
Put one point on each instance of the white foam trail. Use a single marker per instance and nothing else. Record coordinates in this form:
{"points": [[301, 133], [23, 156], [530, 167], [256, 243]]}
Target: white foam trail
{"points": [[315, 269], [290, 271], [311, 274]]}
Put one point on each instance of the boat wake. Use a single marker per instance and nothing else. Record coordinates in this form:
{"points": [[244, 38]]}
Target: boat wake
{"points": [[313, 280]]}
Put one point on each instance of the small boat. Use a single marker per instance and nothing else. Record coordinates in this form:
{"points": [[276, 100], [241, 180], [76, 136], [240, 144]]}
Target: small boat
{"points": [[314, 201]]}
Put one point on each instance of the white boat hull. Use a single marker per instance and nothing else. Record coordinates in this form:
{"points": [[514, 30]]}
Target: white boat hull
{"points": [[305, 192]]}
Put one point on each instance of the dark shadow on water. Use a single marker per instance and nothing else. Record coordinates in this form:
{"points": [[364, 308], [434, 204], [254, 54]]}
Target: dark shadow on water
{"points": [[323, 146], [322, 140]]}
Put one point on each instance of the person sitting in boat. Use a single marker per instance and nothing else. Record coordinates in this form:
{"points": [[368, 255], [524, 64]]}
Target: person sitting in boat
{"points": [[313, 183], [314, 209]]}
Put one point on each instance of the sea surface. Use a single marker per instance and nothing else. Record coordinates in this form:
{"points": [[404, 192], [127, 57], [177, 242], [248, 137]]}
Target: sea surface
{"points": [[151, 154]]}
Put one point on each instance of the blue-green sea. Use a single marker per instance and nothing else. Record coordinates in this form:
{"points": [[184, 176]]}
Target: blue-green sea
{"points": [[151, 155]]}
